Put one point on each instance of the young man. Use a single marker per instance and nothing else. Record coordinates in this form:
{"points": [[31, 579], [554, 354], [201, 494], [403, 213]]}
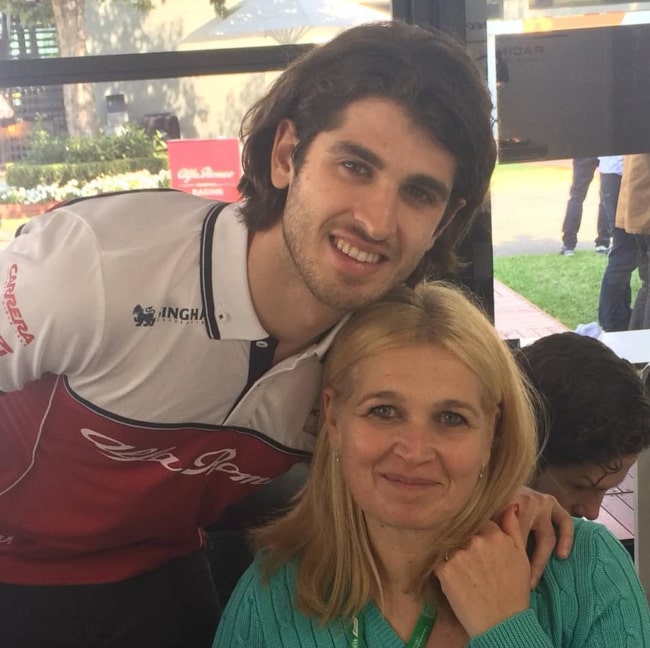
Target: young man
{"points": [[596, 416], [161, 356]]}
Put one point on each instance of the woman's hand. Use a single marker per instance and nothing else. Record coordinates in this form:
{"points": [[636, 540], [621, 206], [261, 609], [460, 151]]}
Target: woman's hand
{"points": [[487, 581], [537, 513]]}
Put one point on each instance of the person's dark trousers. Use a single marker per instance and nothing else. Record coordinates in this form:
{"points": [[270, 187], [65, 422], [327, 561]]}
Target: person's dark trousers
{"points": [[174, 606], [640, 318], [610, 184], [615, 293], [583, 173]]}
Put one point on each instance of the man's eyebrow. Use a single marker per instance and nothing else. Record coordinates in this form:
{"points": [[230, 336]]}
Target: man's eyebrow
{"points": [[363, 153]]}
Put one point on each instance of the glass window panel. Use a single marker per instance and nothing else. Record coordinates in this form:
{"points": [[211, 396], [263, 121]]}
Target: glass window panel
{"points": [[198, 110], [570, 81], [124, 27]]}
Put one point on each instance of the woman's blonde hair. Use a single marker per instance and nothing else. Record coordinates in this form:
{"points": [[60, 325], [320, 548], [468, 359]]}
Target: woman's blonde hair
{"points": [[325, 531]]}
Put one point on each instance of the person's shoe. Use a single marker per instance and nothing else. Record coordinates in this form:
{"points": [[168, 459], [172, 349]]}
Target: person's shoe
{"points": [[601, 249], [565, 251]]}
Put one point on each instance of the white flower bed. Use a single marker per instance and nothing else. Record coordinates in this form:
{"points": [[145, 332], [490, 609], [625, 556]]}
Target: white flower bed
{"points": [[72, 189]]}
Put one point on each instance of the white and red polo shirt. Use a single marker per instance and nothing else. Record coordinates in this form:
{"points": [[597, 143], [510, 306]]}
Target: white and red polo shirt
{"points": [[140, 397]]}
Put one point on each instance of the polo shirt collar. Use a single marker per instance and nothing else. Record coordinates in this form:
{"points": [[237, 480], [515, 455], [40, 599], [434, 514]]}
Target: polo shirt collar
{"points": [[226, 295], [224, 281], [321, 348]]}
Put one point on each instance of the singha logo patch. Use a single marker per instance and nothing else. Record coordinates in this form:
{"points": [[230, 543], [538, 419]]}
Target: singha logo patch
{"points": [[144, 316]]}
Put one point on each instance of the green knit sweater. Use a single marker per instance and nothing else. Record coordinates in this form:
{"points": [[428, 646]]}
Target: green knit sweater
{"points": [[591, 600]]}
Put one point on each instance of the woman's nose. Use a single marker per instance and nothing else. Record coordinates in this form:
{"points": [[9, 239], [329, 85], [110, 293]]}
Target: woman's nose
{"points": [[415, 443]]}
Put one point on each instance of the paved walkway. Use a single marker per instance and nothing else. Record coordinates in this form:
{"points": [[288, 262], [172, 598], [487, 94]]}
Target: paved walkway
{"points": [[528, 206], [516, 318]]}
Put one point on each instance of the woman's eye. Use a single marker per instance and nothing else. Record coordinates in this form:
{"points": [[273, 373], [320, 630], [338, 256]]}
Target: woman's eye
{"points": [[384, 412], [452, 419]]}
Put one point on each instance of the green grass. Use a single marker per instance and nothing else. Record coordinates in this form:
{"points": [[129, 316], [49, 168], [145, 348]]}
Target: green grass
{"points": [[565, 287], [507, 175]]}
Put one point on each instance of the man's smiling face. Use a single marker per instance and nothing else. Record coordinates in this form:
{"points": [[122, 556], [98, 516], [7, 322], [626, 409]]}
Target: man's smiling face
{"points": [[365, 204]]}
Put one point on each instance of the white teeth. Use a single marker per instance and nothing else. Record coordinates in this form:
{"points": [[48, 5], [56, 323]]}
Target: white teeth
{"points": [[355, 253]]}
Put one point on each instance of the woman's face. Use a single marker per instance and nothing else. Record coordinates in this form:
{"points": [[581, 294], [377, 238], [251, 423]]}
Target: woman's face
{"points": [[412, 435]]}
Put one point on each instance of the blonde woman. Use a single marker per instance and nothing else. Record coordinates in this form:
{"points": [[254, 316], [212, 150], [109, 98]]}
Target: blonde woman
{"points": [[403, 534]]}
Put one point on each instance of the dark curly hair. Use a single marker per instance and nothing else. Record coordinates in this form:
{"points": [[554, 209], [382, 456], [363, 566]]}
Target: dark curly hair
{"points": [[428, 73], [595, 406]]}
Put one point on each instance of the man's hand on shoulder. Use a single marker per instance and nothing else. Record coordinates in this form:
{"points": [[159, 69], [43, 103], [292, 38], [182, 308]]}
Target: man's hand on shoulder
{"points": [[551, 524]]}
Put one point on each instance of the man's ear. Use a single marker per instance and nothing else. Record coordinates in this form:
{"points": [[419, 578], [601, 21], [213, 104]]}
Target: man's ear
{"points": [[284, 143], [330, 419]]}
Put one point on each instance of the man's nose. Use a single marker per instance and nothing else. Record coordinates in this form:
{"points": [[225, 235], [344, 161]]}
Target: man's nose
{"points": [[589, 508], [377, 212]]}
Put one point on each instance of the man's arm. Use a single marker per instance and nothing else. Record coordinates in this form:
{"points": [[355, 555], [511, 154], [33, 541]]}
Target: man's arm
{"points": [[51, 289], [551, 525]]}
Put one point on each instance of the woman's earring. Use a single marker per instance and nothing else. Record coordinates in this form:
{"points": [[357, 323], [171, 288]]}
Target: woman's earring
{"points": [[480, 475], [337, 456]]}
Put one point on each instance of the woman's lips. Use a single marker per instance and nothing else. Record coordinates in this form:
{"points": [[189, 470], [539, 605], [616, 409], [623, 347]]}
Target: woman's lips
{"points": [[408, 480]]}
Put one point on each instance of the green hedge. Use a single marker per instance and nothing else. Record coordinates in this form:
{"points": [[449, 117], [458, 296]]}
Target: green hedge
{"points": [[32, 175], [131, 142], [54, 160]]}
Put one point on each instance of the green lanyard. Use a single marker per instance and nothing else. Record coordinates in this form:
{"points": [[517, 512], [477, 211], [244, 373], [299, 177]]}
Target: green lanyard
{"points": [[419, 636]]}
